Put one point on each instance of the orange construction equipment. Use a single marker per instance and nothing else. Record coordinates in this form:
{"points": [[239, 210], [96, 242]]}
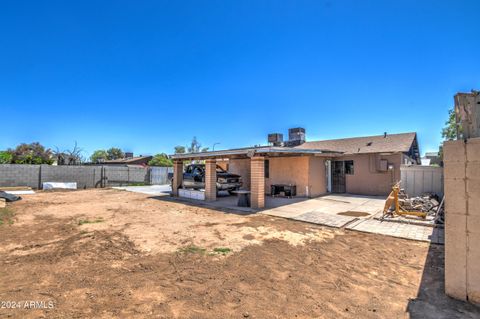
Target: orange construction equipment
{"points": [[392, 199]]}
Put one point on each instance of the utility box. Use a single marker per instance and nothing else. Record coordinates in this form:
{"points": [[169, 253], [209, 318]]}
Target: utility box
{"points": [[275, 138]]}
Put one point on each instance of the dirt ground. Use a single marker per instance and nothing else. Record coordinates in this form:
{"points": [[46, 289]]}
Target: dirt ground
{"points": [[114, 254]]}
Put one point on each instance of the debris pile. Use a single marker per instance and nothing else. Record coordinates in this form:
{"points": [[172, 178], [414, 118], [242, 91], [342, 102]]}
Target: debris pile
{"points": [[428, 203]]}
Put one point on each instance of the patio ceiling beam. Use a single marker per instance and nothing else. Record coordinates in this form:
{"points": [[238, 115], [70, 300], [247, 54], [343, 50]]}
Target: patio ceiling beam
{"points": [[250, 152]]}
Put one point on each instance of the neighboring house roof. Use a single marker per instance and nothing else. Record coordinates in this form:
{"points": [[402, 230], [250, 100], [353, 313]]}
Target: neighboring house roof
{"points": [[368, 144], [129, 161]]}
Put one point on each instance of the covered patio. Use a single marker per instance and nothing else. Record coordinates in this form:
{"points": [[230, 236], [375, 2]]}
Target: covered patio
{"points": [[261, 167]]}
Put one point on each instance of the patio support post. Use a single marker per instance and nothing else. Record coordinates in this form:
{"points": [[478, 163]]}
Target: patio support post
{"points": [[177, 177], [257, 182], [211, 180]]}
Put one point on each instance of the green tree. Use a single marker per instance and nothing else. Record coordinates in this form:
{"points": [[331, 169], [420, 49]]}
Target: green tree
{"points": [[115, 153], [161, 160], [33, 153], [440, 154], [98, 156], [449, 132], [6, 157], [179, 149]]}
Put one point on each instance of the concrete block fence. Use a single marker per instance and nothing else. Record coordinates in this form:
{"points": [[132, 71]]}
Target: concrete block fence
{"points": [[85, 176], [462, 219], [19, 175]]}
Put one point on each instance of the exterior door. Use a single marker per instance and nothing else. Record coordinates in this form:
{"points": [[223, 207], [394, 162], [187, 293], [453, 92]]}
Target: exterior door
{"points": [[338, 177]]}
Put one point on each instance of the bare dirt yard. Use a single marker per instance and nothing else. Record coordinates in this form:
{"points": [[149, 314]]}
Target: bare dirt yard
{"points": [[114, 254]]}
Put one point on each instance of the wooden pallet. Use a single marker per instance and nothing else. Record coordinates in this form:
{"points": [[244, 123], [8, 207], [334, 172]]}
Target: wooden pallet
{"points": [[15, 188]]}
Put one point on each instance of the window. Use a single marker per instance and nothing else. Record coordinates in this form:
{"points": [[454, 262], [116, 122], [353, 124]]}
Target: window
{"points": [[349, 168], [267, 168]]}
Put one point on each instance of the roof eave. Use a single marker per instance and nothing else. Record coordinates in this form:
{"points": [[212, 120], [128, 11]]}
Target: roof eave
{"points": [[250, 152]]}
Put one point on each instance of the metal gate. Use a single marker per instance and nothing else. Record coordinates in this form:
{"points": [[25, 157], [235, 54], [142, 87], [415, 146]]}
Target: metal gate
{"points": [[338, 177], [159, 175]]}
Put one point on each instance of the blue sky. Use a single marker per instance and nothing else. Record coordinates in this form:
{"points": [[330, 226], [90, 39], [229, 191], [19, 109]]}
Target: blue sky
{"points": [[148, 75]]}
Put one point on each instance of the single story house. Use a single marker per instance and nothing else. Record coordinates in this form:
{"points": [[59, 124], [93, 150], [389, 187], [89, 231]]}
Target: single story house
{"points": [[360, 165], [431, 158], [129, 161]]}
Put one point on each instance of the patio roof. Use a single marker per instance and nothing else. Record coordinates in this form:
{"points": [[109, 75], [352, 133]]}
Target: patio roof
{"points": [[251, 151]]}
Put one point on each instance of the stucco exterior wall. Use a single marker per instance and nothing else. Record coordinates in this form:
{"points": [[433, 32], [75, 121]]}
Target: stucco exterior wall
{"points": [[223, 164], [310, 171], [241, 167], [317, 178], [289, 170], [367, 180], [300, 171]]}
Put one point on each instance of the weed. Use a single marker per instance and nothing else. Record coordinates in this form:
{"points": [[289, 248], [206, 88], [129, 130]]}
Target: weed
{"points": [[86, 221], [192, 249], [222, 250], [6, 216]]}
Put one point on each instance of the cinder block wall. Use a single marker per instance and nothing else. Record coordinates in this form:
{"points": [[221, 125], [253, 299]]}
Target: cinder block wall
{"points": [[462, 219], [138, 174], [122, 175], [85, 176], [19, 175]]}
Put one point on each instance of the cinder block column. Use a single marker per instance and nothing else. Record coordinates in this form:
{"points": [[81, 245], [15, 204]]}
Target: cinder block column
{"points": [[211, 180], [455, 219], [473, 219], [177, 177], [257, 182]]}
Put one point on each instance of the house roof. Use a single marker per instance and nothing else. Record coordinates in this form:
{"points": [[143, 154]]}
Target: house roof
{"points": [[130, 160], [368, 144]]}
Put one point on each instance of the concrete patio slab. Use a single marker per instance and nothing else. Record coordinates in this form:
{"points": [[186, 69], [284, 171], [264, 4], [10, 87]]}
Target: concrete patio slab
{"points": [[157, 190], [407, 231], [325, 219], [325, 211], [330, 205]]}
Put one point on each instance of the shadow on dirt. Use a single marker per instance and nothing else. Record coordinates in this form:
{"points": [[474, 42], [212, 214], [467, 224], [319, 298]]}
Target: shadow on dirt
{"points": [[431, 301]]}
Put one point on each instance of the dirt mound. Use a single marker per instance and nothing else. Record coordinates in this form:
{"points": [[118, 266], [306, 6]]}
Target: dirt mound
{"points": [[85, 246]]}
